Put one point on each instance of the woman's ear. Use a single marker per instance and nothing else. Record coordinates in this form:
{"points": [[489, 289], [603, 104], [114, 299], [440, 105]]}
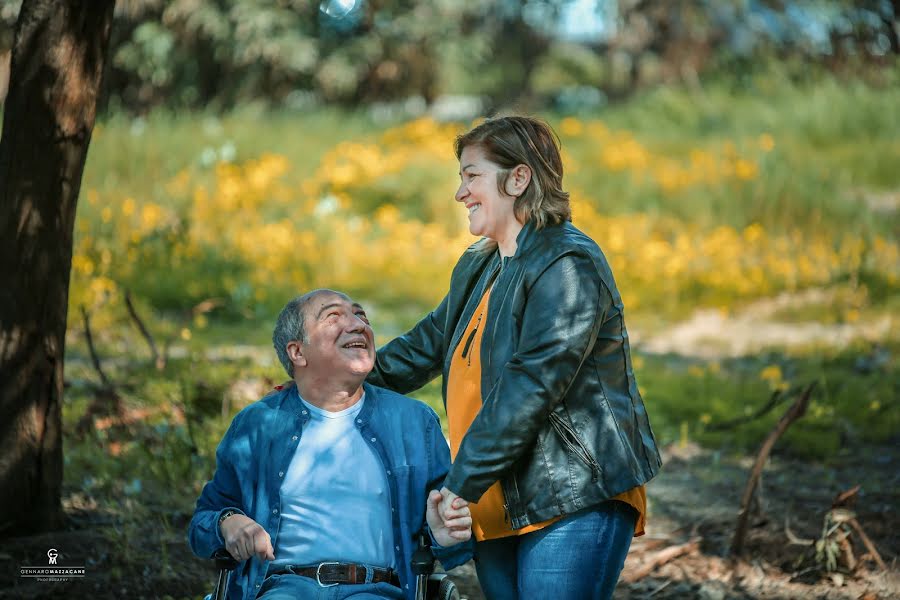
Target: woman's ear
{"points": [[518, 180]]}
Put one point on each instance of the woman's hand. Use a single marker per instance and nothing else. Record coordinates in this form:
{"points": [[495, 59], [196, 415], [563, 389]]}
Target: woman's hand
{"points": [[448, 531]]}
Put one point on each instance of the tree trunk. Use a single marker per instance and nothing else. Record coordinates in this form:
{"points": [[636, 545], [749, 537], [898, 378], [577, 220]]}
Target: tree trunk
{"points": [[57, 62]]}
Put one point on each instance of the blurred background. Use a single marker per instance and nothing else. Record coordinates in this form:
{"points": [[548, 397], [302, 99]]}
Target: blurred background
{"points": [[738, 161]]}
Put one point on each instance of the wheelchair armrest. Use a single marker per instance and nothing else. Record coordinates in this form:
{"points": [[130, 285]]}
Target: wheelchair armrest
{"points": [[224, 560]]}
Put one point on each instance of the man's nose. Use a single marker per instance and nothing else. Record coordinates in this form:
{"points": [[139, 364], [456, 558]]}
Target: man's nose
{"points": [[356, 325]]}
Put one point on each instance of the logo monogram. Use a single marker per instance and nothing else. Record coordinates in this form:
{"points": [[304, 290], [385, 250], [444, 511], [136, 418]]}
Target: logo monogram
{"points": [[52, 554]]}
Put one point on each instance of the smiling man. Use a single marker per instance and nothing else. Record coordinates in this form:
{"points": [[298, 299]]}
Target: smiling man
{"points": [[325, 482]]}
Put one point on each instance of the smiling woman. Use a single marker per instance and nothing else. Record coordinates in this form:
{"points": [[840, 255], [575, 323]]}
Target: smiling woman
{"points": [[548, 431]]}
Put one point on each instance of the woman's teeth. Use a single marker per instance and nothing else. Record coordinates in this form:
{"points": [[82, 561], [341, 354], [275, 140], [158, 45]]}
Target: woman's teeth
{"points": [[473, 208]]}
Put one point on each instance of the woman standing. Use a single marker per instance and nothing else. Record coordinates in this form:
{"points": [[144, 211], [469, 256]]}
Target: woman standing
{"points": [[549, 435]]}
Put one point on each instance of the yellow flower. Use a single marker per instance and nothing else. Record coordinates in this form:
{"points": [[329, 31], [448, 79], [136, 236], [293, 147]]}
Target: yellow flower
{"points": [[571, 127], [766, 142], [772, 373], [745, 169]]}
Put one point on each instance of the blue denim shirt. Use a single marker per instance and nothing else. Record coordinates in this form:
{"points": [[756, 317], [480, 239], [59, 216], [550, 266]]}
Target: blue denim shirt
{"points": [[257, 449]]}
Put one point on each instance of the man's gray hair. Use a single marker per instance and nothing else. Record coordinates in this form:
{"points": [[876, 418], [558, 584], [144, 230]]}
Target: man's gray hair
{"points": [[289, 327]]}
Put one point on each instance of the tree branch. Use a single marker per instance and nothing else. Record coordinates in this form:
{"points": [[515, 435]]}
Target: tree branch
{"points": [[158, 359], [797, 410], [86, 321]]}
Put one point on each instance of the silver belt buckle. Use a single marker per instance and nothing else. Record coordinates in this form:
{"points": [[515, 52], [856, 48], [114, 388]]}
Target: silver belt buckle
{"points": [[319, 571]]}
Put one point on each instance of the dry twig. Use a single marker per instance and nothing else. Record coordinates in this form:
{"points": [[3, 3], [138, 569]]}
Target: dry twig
{"points": [[797, 410], [867, 543], [106, 399], [158, 359], [778, 396], [657, 559]]}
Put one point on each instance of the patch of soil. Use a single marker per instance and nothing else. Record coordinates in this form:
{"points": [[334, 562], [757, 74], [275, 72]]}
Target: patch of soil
{"points": [[693, 510]]}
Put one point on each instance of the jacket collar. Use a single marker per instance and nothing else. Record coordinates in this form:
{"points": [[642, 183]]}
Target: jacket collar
{"points": [[526, 240]]}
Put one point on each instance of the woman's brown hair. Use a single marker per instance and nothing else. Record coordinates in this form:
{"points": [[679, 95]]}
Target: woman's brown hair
{"points": [[511, 141]]}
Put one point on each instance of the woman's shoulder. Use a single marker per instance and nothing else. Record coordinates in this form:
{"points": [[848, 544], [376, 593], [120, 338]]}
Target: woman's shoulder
{"points": [[565, 239], [475, 256]]}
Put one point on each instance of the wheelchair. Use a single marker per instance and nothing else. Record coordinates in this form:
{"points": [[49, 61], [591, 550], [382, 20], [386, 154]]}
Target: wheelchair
{"points": [[429, 585]]}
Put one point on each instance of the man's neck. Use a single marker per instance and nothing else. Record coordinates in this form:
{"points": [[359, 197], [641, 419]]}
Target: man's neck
{"points": [[333, 396]]}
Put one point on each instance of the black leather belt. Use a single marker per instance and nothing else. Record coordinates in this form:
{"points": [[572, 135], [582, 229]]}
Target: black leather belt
{"points": [[333, 573]]}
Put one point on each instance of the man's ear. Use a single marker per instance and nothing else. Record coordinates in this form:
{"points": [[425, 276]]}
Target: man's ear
{"points": [[295, 353], [518, 180]]}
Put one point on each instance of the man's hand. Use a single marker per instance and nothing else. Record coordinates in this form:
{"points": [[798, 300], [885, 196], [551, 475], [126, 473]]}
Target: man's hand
{"points": [[453, 526], [244, 537]]}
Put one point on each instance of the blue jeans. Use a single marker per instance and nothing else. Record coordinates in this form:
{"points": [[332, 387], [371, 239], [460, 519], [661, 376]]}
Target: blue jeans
{"points": [[579, 557], [295, 587]]}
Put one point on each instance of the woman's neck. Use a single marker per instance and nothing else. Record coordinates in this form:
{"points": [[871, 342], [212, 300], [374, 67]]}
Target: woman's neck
{"points": [[507, 244]]}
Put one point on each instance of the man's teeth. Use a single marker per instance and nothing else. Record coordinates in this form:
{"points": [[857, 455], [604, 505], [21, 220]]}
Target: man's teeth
{"points": [[473, 208], [355, 345]]}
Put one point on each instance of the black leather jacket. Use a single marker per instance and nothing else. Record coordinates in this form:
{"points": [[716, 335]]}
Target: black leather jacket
{"points": [[562, 425]]}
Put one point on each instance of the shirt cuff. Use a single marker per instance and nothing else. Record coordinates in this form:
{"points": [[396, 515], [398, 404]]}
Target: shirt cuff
{"points": [[219, 514]]}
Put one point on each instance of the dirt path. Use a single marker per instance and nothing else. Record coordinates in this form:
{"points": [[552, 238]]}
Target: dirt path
{"points": [[711, 334]]}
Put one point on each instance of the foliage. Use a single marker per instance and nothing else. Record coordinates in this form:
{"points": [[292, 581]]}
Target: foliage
{"points": [[221, 53], [736, 207]]}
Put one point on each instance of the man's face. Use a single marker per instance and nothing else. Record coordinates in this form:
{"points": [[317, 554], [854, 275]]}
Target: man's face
{"points": [[339, 340]]}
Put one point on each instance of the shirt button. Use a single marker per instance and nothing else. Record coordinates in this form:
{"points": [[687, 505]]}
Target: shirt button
{"points": [[388, 472], [281, 473], [359, 421], [257, 585], [274, 511], [397, 548], [304, 412], [294, 438], [373, 439]]}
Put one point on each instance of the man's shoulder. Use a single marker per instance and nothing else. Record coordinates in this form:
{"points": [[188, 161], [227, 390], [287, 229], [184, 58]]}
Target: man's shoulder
{"points": [[265, 406]]}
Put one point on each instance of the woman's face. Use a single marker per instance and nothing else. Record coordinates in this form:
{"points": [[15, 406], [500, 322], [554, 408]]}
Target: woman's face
{"points": [[490, 212]]}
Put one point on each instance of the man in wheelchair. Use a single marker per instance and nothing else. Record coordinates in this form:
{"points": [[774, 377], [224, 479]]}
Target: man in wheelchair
{"points": [[322, 487]]}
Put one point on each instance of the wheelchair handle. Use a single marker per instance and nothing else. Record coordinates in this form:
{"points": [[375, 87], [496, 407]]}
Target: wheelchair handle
{"points": [[224, 560]]}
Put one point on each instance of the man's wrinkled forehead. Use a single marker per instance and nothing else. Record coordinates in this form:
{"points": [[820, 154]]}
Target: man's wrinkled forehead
{"points": [[322, 300]]}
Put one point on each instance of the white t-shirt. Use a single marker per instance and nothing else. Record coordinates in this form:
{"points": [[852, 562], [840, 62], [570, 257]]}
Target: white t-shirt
{"points": [[335, 499]]}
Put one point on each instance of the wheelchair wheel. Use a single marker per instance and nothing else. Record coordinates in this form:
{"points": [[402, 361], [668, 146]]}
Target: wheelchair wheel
{"points": [[441, 587]]}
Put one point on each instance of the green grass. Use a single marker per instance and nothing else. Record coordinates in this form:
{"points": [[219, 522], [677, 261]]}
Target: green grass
{"points": [[854, 403]]}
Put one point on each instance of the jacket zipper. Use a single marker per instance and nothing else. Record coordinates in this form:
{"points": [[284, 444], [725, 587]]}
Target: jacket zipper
{"points": [[494, 332], [454, 342], [573, 442], [472, 337]]}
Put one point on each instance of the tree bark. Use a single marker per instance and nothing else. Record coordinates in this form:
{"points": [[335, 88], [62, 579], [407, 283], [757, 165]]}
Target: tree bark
{"points": [[57, 63]]}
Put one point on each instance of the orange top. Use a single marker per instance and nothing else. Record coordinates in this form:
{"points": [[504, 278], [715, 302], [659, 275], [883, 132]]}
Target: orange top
{"points": [[489, 518]]}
